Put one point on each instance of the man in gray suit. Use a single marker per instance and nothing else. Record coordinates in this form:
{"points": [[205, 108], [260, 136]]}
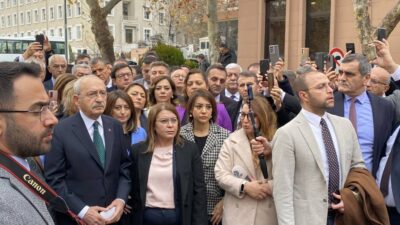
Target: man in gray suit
{"points": [[311, 157], [26, 125]]}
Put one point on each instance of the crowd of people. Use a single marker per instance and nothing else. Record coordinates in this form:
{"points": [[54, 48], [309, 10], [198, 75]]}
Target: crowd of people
{"points": [[154, 144]]}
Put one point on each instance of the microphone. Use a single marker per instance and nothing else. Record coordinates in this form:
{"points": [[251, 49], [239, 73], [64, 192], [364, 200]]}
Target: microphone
{"points": [[240, 172]]}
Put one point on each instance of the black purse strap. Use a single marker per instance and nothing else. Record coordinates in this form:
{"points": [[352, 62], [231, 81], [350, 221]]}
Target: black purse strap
{"points": [[37, 186]]}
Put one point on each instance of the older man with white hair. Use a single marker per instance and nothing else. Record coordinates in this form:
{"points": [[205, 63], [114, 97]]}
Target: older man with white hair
{"points": [[231, 87], [57, 66], [80, 70]]}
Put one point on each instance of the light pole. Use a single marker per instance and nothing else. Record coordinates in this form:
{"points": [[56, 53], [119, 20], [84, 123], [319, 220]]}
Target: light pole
{"points": [[65, 31]]}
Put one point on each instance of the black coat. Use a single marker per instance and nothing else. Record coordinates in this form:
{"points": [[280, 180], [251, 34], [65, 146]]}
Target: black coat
{"points": [[190, 190], [73, 168]]}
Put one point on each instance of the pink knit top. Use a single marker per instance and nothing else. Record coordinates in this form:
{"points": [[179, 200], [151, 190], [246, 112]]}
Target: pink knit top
{"points": [[160, 184]]}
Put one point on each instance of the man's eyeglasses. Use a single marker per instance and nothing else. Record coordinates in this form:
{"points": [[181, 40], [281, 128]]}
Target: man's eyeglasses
{"points": [[123, 75], [44, 109]]}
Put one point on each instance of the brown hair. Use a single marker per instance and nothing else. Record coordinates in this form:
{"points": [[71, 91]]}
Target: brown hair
{"points": [[151, 122], [152, 97], [266, 119], [67, 95], [206, 95], [60, 83], [192, 72], [146, 95], [112, 98]]}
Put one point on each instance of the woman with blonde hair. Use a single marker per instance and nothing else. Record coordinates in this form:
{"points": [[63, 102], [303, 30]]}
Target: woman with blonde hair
{"points": [[167, 175], [248, 195]]}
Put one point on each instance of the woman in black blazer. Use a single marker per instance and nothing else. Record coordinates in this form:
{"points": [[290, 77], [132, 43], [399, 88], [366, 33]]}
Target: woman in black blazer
{"points": [[167, 177]]}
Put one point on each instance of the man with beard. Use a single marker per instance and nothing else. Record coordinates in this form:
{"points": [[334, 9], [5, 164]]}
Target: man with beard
{"points": [[26, 125], [88, 163], [312, 156], [216, 77]]}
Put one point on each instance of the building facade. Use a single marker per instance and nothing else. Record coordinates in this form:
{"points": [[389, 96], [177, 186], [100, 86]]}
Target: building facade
{"points": [[132, 23], [294, 24]]}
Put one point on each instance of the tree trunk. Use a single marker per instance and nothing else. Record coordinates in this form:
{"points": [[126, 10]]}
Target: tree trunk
{"points": [[363, 23], [212, 30], [367, 33], [102, 34]]}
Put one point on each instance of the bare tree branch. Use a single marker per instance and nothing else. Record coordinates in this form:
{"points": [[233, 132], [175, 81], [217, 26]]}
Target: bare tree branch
{"points": [[391, 19], [110, 5]]}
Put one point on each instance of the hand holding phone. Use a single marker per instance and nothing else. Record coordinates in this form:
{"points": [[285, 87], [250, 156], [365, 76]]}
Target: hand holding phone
{"points": [[381, 34], [264, 68], [40, 38]]}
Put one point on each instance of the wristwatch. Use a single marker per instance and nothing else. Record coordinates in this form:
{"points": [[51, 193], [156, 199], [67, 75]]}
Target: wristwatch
{"points": [[244, 182]]}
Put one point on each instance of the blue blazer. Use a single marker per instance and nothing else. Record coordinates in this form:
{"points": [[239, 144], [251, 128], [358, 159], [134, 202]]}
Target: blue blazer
{"points": [[73, 168], [383, 116]]}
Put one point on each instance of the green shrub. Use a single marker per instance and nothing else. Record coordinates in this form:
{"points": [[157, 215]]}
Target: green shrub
{"points": [[191, 64], [169, 54]]}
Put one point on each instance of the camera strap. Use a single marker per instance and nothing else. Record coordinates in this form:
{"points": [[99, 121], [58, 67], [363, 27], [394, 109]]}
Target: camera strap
{"points": [[37, 186]]}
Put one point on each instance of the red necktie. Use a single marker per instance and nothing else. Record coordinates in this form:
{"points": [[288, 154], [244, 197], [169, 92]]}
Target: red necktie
{"points": [[353, 113]]}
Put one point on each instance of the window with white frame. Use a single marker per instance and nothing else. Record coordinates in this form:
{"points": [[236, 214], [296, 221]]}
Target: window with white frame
{"points": [[15, 35], [21, 18], [44, 14], [1, 4], [60, 32], [146, 34], [15, 19], [14, 3], [3, 21], [51, 32], [129, 35], [9, 21], [77, 9], [22, 34], [28, 17], [146, 13], [36, 16], [161, 17], [69, 33], [51, 13], [8, 4], [60, 12], [78, 32], [21, 2], [69, 11], [28, 33]]}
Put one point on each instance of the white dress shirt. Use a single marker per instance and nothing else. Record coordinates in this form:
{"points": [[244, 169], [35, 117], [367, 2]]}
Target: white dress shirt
{"points": [[314, 122], [389, 199], [89, 126], [228, 94]]}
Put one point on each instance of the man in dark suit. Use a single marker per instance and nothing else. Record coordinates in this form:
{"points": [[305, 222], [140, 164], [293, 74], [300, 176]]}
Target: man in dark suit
{"points": [[25, 131], [216, 78], [57, 66], [388, 176], [101, 67], [371, 116], [88, 163], [145, 68]]}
